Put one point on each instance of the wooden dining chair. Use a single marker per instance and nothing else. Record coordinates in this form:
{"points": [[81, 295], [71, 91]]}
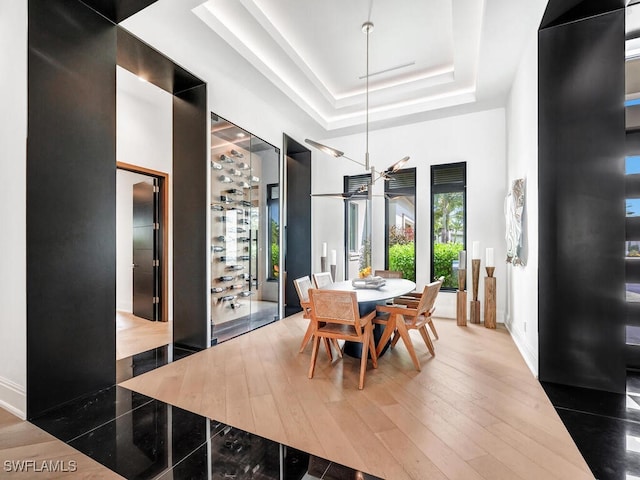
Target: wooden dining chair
{"points": [[303, 284], [388, 274], [336, 316], [400, 319], [322, 279], [412, 299]]}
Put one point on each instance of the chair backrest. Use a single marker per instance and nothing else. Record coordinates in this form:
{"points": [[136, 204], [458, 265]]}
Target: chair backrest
{"points": [[428, 298], [388, 273], [322, 279], [335, 306], [303, 284]]}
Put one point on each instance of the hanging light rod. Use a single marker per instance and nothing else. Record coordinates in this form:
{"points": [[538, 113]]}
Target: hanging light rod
{"points": [[367, 28]]}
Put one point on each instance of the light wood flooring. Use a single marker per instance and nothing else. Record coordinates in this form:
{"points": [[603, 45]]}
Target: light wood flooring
{"points": [[473, 412], [21, 440], [136, 335]]}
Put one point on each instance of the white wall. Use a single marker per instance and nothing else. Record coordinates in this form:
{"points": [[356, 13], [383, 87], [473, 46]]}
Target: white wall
{"points": [[522, 162], [144, 121], [13, 161], [478, 139]]}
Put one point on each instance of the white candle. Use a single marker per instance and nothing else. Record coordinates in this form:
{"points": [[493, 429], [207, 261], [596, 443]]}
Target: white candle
{"points": [[462, 260], [324, 249], [475, 250], [333, 258], [490, 260]]}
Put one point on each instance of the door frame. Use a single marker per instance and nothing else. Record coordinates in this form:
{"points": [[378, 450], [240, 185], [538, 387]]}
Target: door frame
{"points": [[163, 182]]}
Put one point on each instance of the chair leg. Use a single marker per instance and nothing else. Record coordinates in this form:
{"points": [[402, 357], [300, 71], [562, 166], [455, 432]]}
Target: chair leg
{"points": [[433, 329], [327, 345], [389, 327], [427, 339], [335, 343], [363, 358], [372, 348], [307, 337], [396, 336], [314, 355], [404, 333]]}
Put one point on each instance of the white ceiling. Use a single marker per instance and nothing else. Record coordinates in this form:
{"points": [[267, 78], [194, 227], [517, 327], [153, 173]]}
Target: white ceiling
{"points": [[455, 55]]}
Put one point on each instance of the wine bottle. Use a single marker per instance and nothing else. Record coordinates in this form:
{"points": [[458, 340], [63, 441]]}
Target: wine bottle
{"points": [[235, 172], [237, 286], [246, 293], [226, 159], [216, 165], [225, 199], [217, 208], [244, 276], [244, 185], [246, 203], [217, 290], [234, 191], [243, 166], [220, 238], [217, 248], [227, 298], [244, 239], [225, 179], [255, 179], [245, 258], [236, 154], [235, 267], [241, 230], [225, 278]]}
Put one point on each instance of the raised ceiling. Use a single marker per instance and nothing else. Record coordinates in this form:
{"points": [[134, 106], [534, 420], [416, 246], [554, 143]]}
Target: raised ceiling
{"points": [[428, 58], [423, 54]]}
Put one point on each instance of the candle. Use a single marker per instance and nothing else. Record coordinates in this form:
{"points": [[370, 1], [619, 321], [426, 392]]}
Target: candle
{"points": [[476, 250], [324, 249], [333, 258], [490, 260], [462, 260]]}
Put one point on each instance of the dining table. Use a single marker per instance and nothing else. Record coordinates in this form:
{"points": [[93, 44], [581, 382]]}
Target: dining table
{"points": [[368, 299]]}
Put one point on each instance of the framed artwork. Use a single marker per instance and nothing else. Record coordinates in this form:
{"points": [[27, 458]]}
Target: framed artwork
{"points": [[514, 209]]}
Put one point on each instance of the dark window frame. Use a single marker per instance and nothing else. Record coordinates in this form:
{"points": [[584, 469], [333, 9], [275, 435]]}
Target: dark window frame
{"points": [[447, 187], [271, 201], [402, 191]]}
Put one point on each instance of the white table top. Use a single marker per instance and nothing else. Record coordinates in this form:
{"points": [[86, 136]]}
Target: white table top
{"points": [[393, 287]]}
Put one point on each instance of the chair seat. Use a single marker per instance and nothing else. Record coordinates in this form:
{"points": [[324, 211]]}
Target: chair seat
{"points": [[339, 329]]}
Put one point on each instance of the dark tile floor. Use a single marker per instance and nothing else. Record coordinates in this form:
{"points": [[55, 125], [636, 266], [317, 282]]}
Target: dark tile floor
{"points": [[139, 437], [605, 426]]}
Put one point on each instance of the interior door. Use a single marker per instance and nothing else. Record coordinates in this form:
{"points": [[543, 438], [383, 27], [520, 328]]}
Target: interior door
{"points": [[145, 233]]}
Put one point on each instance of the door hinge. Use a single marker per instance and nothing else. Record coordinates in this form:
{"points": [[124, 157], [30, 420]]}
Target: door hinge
{"points": [[156, 300], [156, 189], [156, 226], [155, 263]]}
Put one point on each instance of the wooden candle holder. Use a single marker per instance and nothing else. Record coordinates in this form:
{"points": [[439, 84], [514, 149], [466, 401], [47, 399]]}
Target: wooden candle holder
{"points": [[490, 299], [474, 305], [461, 299], [323, 264]]}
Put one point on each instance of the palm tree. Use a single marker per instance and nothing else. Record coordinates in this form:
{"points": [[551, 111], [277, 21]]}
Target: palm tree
{"points": [[447, 211]]}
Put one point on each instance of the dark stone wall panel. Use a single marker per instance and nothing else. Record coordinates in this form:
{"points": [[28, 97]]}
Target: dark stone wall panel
{"points": [[581, 206], [70, 203], [190, 210]]}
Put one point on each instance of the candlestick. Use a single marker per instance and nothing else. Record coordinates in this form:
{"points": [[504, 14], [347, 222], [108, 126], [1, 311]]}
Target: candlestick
{"points": [[324, 249], [475, 277], [323, 263], [490, 262], [334, 257], [462, 260], [490, 299], [475, 251]]}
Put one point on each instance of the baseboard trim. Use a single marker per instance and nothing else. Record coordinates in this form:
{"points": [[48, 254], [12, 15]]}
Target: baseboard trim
{"points": [[13, 398], [529, 357]]}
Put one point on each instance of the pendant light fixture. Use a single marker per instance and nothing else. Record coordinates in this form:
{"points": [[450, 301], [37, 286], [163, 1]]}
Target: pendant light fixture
{"points": [[367, 28]]}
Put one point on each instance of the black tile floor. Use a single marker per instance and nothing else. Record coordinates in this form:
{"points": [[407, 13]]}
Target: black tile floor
{"points": [[139, 437], [605, 426]]}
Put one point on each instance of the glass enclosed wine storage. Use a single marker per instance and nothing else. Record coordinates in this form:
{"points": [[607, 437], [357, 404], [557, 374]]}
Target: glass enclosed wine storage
{"points": [[245, 229]]}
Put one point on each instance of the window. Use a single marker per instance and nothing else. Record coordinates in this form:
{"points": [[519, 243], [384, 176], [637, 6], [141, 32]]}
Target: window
{"points": [[273, 217], [400, 213], [448, 220], [357, 225]]}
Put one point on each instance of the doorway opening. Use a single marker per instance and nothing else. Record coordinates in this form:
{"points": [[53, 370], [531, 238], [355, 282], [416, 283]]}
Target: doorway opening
{"points": [[142, 259]]}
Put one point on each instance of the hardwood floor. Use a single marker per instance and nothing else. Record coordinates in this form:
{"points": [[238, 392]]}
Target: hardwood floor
{"points": [[23, 441], [40, 455], [473, 412], [135, 334]]}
